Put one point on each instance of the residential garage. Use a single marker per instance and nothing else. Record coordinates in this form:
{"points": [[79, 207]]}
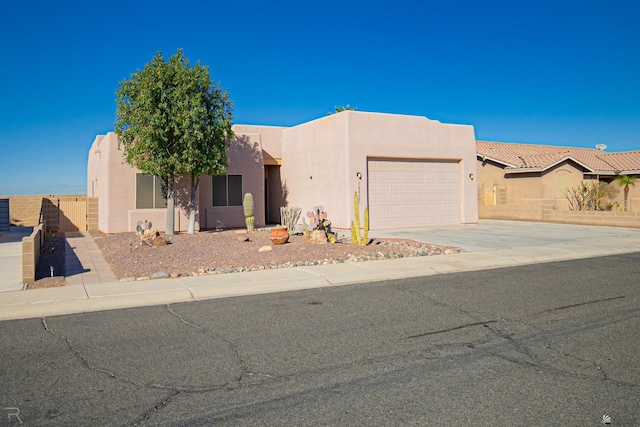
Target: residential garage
{"points": [[410, 171], [413, 193]]}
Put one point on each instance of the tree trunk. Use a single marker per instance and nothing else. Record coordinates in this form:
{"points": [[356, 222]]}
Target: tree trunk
{"points": [[193, 205], [170, 208], [170, 215], [626, 195]]}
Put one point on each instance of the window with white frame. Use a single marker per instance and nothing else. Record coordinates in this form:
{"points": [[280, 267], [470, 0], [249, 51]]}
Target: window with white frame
{"points": [[149, 192], [226, 190]]}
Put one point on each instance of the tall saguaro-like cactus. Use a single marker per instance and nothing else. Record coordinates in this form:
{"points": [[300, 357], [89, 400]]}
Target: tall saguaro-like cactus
{"points": [[289, 217], [355, 228], [247, 204]]}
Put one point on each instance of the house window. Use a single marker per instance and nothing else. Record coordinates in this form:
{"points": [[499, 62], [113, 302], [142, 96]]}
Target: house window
{"points": [[149, 192], [226, 190], [563, 182]]}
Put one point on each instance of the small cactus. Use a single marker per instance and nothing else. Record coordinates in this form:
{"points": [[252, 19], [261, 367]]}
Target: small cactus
{"points": [[247, 204], [318, 221], [143, 226], [355, 228], [318, 218]]}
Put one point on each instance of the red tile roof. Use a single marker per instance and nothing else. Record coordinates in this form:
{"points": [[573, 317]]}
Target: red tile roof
{"points": [[529, 157]]}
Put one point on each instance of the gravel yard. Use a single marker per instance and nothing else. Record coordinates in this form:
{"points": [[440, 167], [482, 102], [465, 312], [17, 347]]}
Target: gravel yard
{"points": [[227, 252], [217, 252]]}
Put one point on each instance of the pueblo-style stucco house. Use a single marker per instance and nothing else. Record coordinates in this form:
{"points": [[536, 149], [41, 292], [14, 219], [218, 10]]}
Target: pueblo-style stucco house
{"points": [[409, 170], [538, 175]]}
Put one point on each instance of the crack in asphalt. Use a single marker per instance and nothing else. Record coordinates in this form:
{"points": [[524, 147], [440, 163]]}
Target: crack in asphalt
{"points": [[85, 361], [182, 319], [475, 316], [245, 368], [455, 328], [518, 345], [176, 389], [580, 304], [572, 357], [147, 415]]}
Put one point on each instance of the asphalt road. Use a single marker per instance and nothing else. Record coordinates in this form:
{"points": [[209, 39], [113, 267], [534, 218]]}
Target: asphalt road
{"points": [[544, 344]]}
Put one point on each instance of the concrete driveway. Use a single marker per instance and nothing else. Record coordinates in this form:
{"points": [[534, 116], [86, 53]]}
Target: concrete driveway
{"points": [[489, 235], [11, 258]]}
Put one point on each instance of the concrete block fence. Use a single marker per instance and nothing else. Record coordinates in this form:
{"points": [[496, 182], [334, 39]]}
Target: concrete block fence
{"points": [[547, 213]]}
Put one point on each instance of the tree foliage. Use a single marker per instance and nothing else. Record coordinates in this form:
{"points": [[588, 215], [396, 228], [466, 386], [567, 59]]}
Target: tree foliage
{"points": [[340, 108], [172, 120], [626, 181]]}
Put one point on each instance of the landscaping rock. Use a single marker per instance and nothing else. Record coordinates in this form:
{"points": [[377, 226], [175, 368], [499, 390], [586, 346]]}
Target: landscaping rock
{"points": [[265, 249], [159, 241], [160, 275], [318, 237]]}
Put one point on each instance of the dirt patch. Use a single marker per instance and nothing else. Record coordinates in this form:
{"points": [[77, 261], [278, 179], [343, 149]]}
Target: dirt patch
{"points": [[227, 252]]}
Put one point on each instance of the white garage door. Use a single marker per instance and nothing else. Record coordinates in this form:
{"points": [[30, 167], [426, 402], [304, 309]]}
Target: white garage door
{"points": [[412, 193]]}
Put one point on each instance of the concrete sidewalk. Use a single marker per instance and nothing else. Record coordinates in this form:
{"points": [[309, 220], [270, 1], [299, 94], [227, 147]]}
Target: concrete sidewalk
{"points": [[491, 244]]}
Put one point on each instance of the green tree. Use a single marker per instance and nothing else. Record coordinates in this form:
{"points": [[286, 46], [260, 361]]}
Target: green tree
{"points": [[626, 181], [340, 108], [173, 121]]}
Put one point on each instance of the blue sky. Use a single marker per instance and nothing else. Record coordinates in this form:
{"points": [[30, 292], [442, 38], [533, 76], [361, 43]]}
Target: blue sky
{"points": [[544, 72]]}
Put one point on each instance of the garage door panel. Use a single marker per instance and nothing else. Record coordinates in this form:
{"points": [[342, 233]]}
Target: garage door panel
{"points": [[384, 211], [412, 193]]}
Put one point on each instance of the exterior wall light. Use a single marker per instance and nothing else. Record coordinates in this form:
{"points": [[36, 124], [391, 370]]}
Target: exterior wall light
{"points": [[471, 176], [359, 175]]}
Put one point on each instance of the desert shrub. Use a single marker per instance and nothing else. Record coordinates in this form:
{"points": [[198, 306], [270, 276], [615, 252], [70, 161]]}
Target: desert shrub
{"points": [[591, 196]]}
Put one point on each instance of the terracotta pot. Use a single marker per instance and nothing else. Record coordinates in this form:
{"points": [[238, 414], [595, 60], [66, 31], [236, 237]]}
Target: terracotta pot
{"points": [[279, 235]]}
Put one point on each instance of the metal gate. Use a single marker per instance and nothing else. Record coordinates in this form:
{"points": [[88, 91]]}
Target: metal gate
{"points": [[4, 215], [69, 213], [72, 214]]}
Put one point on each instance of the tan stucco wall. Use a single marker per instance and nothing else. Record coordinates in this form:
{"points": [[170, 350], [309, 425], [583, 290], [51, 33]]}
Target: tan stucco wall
{"points": [[319, 160], [269, 137], [329, 151], [528, 189], [113, 182], [537, 189], [245, 158]]}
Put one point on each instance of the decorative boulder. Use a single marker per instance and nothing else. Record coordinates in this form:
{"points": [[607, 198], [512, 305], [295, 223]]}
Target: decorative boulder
{"points": [[159, 241], [318, 237], [148, 236]]}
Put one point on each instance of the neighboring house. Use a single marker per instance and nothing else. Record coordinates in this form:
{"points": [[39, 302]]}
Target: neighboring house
{"points": [[536, 175], [409, 170]]}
